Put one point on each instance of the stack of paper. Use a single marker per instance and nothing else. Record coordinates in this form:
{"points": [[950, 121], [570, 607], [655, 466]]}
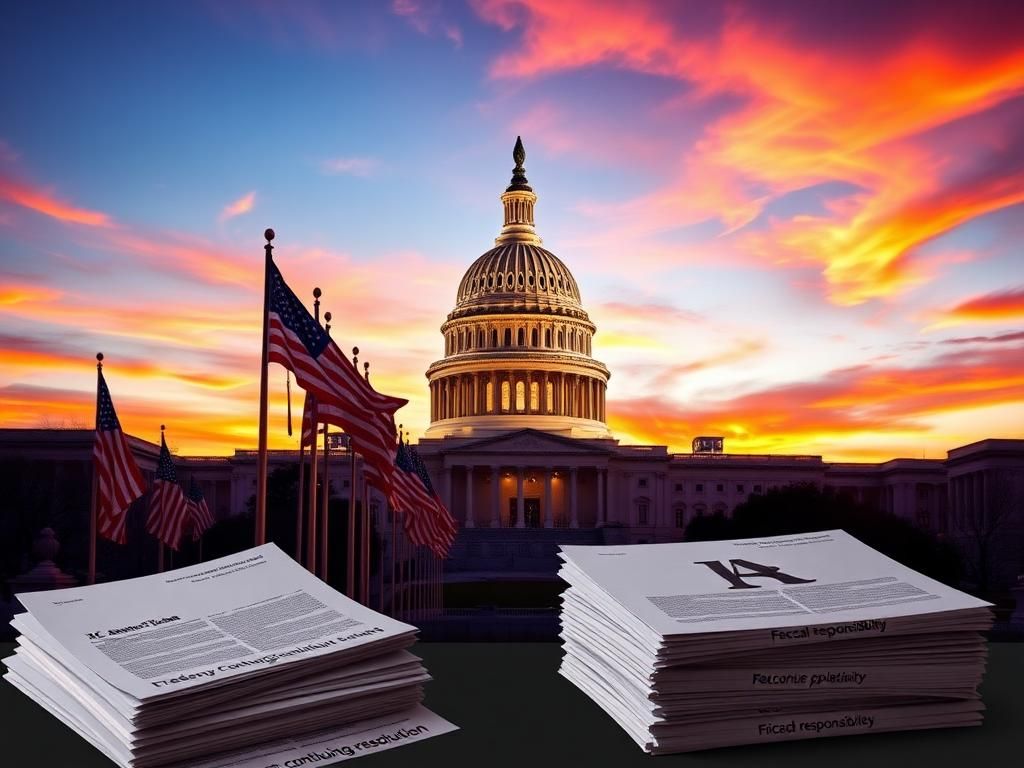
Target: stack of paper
{"points": [[239, 661], [709, 644]]}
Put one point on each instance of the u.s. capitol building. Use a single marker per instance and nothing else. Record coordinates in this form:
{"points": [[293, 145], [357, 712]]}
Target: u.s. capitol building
{"points": [[519, 447]]}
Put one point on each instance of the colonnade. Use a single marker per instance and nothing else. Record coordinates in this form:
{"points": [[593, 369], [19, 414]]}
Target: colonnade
{"points": [[566, 516], [517, 392], [968, 500]]}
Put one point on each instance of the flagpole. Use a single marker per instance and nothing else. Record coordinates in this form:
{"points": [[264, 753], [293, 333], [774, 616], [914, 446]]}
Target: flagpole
{"points": [[350, 570], [366, 517], [366, 543], [159, 542], [380, 559], [311, 552], [299, 493], [323, 507], [261, 462], [364, 561], [93, 511], [351, 587], [325, 496], [394, 551]]}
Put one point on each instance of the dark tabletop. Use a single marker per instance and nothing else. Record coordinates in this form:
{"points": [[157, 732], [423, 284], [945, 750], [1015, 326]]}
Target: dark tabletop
{"points": [[514, 710]]}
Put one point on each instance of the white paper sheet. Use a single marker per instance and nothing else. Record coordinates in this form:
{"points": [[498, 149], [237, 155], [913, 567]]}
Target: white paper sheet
{"points": [[206, 623], [823, 586]]}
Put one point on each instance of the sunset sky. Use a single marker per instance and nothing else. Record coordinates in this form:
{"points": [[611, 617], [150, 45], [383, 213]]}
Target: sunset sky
{"points": [[799, 225]]}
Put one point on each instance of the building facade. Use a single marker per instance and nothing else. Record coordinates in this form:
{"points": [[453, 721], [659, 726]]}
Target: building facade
{"points": [[519, 447]]}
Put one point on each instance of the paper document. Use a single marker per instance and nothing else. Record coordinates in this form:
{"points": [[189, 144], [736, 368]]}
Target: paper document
{"points": [[248, 661], [697, 645], [216, 620]]}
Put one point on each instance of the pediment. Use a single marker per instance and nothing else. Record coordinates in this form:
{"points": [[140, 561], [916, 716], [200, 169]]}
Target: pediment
{"points": [[527, 441]]}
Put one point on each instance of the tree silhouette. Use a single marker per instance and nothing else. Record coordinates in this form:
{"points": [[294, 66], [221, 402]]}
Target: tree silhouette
{"points": [[805, 508]]}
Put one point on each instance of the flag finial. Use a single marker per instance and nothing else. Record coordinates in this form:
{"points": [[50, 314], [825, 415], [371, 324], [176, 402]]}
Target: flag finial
{"points": [[163, 427], [99, 360], [327, 321], [366, 371], [355, 358], [268, 248], [316, 303]]}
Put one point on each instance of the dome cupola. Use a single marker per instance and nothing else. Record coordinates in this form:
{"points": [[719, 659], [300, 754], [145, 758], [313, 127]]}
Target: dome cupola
{"points": [[518, 341]]}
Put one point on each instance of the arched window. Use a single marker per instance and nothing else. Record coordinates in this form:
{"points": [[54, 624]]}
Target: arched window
{"points": [[533, 337], [534, 396], [490, 396], [520, 396], [547, 337], [506, 396], [680, 513], [494, 338], [561, 339], [643, 511], [508, 337], [521, 338], [480, 339], [549, 397]]}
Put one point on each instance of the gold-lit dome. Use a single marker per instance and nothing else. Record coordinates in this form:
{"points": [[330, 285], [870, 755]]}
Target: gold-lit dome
{"points": [[517, 275], [518, 342]]}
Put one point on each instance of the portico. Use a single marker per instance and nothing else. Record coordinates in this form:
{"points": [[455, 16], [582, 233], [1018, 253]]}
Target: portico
{"points": [[526, 479]]}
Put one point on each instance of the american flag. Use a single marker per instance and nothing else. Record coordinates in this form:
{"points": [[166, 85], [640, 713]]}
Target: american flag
{"points": [[309, 420], [168, 508], [119, 479], [426, 520], [343, 397], [198, 510]]}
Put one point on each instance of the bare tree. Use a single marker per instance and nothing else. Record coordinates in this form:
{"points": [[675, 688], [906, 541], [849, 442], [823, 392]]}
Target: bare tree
{"points": [[984, 526]]}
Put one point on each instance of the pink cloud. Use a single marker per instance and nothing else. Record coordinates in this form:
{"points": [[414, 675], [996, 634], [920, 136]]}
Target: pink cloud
{"points": [[241, 206], [349, 166]]}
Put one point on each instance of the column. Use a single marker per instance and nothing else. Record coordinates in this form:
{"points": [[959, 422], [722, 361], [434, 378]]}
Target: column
{"points": [[469, 496], [529, 390], [659, 489], [600, 497], [979, 499], [574, 520], [520, 504], [545, 405], [476, 395], [549, 512], [495, 497]]}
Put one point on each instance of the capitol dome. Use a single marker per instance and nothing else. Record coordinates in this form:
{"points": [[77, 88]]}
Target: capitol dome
{"points": [[518, 341]]}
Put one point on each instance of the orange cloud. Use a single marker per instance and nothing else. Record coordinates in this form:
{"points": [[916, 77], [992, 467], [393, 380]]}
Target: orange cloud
{"points": [[12, 294], [806, 114], [861, 403], [998, 307], [240, 206], [41, 201]]}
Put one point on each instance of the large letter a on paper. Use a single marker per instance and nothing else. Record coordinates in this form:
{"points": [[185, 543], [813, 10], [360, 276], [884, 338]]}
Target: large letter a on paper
{"points": [[756, 570]]}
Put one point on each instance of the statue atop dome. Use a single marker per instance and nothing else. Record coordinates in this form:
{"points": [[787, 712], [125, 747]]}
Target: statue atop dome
{"points": [[519, 181]]}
